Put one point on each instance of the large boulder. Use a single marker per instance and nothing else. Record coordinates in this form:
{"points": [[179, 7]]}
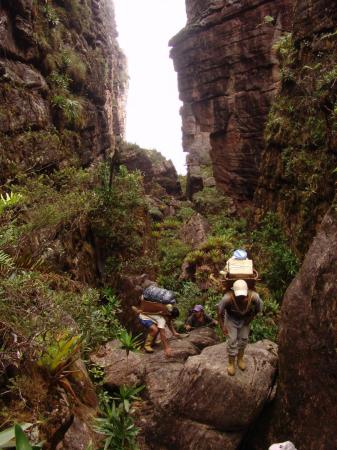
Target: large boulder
{"points": [[207, 394], [190, 401]]}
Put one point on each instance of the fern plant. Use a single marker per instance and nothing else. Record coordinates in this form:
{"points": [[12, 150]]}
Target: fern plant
{"points": [[6, 261]]}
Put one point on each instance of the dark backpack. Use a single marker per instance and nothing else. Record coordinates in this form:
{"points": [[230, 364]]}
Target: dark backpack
{"points": [[159, 295]]}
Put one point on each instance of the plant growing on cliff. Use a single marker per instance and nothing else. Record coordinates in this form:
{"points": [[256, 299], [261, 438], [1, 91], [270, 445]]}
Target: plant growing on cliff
{"points": [[51, 15], [274, 256], [70, 107]]}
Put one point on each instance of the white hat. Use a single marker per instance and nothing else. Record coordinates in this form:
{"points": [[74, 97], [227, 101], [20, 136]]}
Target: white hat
{"points": [[284, 446], [240, 287]]}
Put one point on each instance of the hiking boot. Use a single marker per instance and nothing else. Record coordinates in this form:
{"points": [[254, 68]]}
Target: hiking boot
{"points": [[241, 363], [231, 365], [148, 344]]}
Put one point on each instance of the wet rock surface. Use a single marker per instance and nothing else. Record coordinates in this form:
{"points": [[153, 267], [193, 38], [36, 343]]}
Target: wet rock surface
{"points": [[190, 400]]}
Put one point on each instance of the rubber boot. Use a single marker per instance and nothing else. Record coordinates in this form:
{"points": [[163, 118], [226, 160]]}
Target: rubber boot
{"points": [[241, 363], [231, 365], [148, 344]]}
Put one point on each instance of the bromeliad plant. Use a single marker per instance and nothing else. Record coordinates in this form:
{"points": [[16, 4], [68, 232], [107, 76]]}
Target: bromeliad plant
{"points": [[59, 356], [62, 351]]}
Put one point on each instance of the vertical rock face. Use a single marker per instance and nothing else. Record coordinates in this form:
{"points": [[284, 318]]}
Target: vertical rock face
{"points": [[305, 411], [227, 75], [62, 84], [297, 177]]}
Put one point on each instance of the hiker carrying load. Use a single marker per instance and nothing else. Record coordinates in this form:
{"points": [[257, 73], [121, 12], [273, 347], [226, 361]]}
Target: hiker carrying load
{"points": [[157, 309], [198, 318], [238, 307]]}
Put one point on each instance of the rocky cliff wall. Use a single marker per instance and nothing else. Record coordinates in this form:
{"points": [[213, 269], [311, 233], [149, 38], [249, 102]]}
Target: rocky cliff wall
{"points": [[305, 409], [62, 84], [297, 177], [227, 74]]}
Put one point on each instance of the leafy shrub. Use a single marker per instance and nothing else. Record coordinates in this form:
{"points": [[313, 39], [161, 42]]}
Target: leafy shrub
{"points": [[184, 213], [128, 342], [273, 254], [73, 66], [189, 294], [117, 426], [121, 213], [59, 81], [171, 256], [209, 201], [265, 326]]}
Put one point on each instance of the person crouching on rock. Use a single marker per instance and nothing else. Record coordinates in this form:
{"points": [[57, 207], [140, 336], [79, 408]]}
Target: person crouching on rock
{"points": [[236, 310], [156, 323], [198, 318]]}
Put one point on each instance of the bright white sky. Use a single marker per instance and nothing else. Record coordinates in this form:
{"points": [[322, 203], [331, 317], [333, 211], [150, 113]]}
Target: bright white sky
{"points": [[153, 119]]}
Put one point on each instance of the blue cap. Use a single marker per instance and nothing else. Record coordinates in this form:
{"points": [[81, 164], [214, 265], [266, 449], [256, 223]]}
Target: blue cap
{"points": [[240, 254]]}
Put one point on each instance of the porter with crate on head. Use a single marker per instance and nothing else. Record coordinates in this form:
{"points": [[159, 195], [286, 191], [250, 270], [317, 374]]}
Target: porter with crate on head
{"points": [[238, 307]]}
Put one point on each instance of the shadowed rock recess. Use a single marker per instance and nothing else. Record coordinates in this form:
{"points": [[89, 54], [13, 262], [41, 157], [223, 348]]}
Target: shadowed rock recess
{"points": [[190, 401], [227, 75]]}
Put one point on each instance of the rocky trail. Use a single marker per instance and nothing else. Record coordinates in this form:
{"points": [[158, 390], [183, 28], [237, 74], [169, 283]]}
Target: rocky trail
{"points": [[189, 400]]}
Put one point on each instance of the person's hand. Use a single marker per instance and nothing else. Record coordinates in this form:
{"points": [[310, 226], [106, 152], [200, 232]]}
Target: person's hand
{"points": [[188, 327], [177, 335], [181, 335]]}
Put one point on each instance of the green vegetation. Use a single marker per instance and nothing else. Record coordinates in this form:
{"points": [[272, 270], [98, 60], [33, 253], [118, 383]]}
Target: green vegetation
{"points": [[302, 129], [116, 423], [122, 219], [15, 437], [51, 15], [209, 201], [272, 252], [117, 427], [128, 342]]}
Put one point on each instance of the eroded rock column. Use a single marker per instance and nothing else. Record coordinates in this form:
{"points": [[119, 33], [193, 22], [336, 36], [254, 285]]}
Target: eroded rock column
{"points": [[227, 75]]}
